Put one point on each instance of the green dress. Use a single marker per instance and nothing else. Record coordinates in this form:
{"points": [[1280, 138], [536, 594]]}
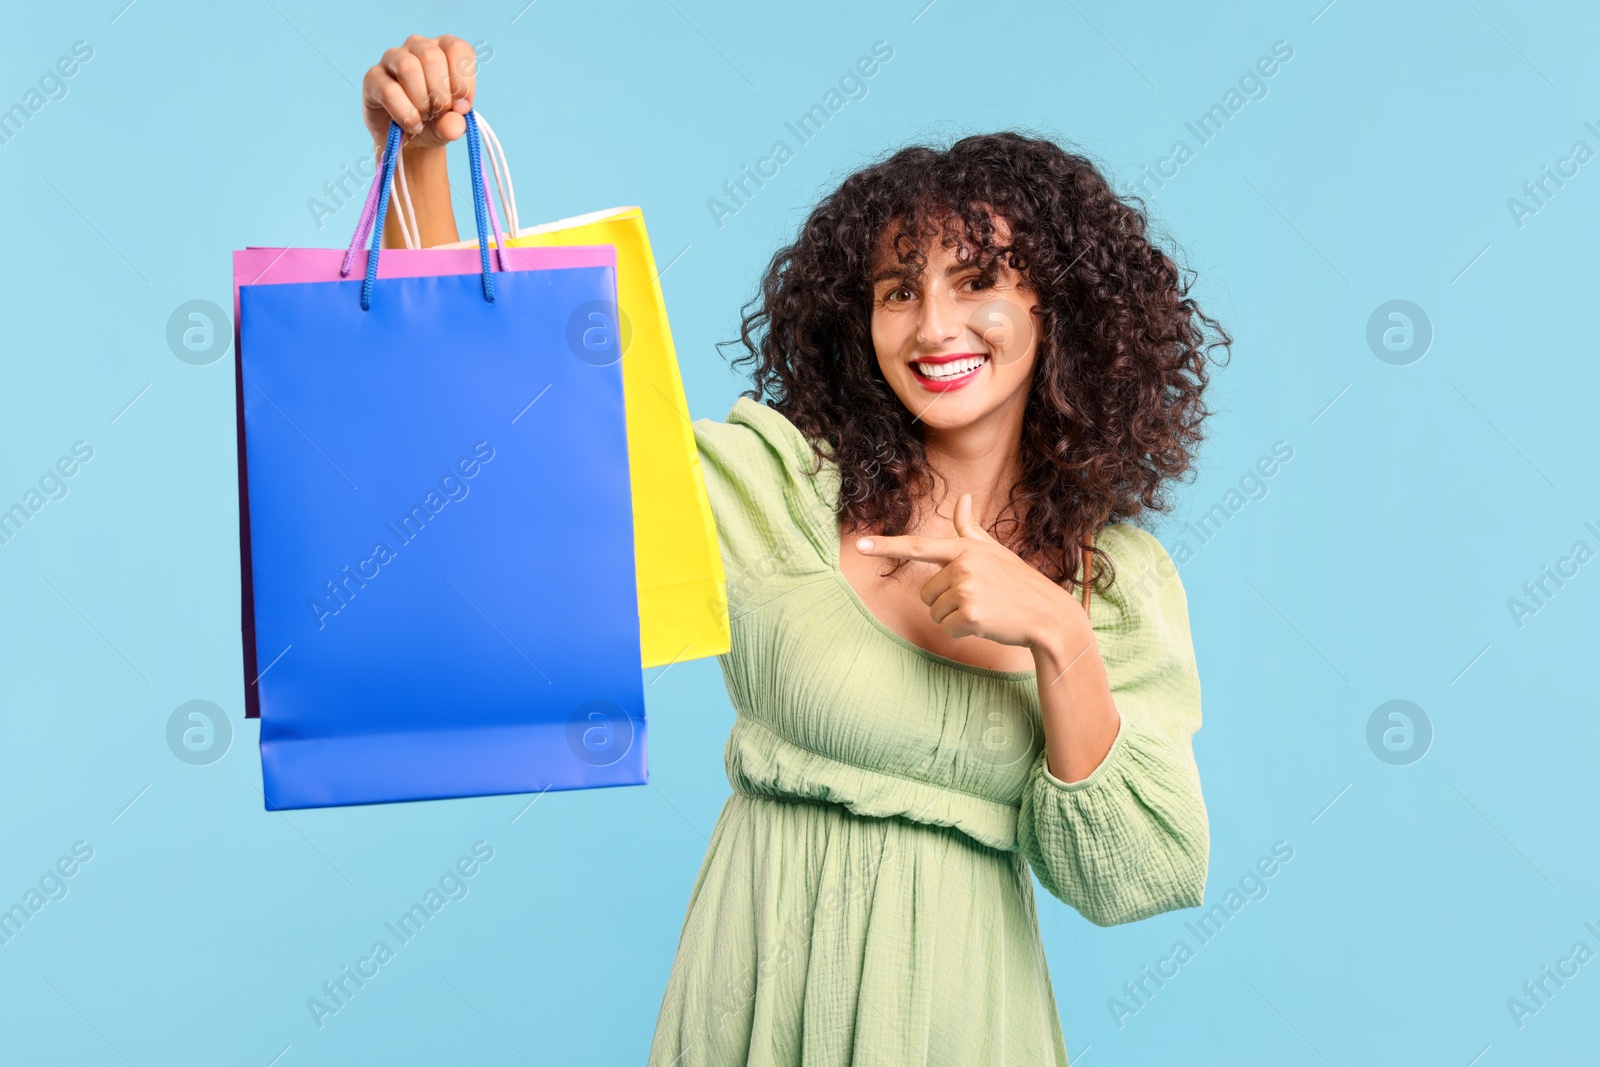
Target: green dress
{"points": [[866, 899]]}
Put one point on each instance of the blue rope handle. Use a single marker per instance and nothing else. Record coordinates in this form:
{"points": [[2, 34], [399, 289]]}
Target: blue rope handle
{"points": [[479, 201], [391, 150], [391, 153]]}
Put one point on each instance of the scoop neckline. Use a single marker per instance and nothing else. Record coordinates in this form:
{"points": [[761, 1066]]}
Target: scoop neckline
{"points": [[829, 534], [899, 639]]}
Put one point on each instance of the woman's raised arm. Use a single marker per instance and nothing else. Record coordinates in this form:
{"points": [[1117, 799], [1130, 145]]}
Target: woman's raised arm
{"points": [[426, 85]]}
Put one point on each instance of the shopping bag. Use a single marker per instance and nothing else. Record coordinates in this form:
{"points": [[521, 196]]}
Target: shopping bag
{"points": [[682, 587], [276, 266], [440, 531], [279, 266], [683, 606]]}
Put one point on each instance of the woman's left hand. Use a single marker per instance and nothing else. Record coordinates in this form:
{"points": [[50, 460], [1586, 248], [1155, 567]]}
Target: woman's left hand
{"points": [[982, 589]]}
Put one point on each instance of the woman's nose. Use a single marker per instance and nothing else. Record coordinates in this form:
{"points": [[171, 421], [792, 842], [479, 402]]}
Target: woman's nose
{"points": [[940, 322]]}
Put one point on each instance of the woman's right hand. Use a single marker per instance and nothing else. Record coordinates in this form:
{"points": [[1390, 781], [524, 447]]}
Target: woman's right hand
{"points": [[425, 85]]}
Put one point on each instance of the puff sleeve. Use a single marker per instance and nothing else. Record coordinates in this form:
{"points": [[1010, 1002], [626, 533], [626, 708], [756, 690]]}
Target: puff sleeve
{"points": [[773, 520], [1132, 839], [743, 485]]}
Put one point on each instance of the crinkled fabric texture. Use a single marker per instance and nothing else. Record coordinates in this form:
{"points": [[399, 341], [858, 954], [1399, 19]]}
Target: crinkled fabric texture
{"points": [[866, 899]]}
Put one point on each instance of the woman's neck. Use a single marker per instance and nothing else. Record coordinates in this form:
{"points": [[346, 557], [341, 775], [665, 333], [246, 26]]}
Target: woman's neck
{"points": [[984, 460]]}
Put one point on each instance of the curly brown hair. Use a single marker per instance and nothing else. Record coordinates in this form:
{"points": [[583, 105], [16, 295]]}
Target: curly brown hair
{"points": [[1115, 407]]}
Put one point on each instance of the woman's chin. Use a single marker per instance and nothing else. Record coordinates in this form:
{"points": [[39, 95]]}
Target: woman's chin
{"points": [[954, 409], [949, 411]]}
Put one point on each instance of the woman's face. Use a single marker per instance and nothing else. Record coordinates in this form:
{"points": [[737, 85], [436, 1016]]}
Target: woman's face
{"points": [[955, 347]]}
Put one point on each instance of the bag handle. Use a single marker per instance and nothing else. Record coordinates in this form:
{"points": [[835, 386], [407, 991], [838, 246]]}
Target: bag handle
{"points": [[502, 175], [499, 166], [410, 234], [376, 209]]}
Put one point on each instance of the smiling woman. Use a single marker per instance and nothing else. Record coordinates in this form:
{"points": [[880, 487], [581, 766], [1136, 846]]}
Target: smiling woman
{"points": [[980, 369], [955, 298]]}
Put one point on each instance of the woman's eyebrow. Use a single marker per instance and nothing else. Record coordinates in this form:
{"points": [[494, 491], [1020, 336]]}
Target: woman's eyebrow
{"points": [[956, 267]]}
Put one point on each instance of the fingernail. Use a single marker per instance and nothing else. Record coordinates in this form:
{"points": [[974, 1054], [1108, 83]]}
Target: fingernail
{"points": [[864, 544], [415, 128]]}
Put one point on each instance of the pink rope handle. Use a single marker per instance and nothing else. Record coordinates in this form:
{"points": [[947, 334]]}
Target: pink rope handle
{"points": [[494, 223], [364, 226]]}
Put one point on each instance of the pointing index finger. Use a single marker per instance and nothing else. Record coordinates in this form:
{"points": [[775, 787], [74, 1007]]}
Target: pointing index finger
{"points": [[940, 550]]}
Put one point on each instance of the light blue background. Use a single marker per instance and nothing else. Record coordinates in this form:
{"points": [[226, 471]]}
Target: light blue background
{"points": [[1377, 567]]}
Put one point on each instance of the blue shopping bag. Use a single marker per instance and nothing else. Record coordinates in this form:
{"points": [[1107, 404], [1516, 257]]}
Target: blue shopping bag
{"points": [[440, 532]]}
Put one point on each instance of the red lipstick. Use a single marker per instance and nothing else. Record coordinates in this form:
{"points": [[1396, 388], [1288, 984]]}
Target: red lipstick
{"points": [[944, 385]]}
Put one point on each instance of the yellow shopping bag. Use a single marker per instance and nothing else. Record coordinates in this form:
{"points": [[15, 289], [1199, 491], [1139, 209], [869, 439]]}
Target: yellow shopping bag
{"points": [[683, 605]]}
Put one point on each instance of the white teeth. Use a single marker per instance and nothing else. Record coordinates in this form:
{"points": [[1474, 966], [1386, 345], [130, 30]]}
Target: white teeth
{"points": [[954, 369]]}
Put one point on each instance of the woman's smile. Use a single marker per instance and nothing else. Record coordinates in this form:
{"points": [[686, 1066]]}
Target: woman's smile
{"points": [[940, 374]]}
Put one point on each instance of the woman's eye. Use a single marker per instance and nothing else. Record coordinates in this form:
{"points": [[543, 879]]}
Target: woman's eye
{"points": [[977, 282], [896, 295]]}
